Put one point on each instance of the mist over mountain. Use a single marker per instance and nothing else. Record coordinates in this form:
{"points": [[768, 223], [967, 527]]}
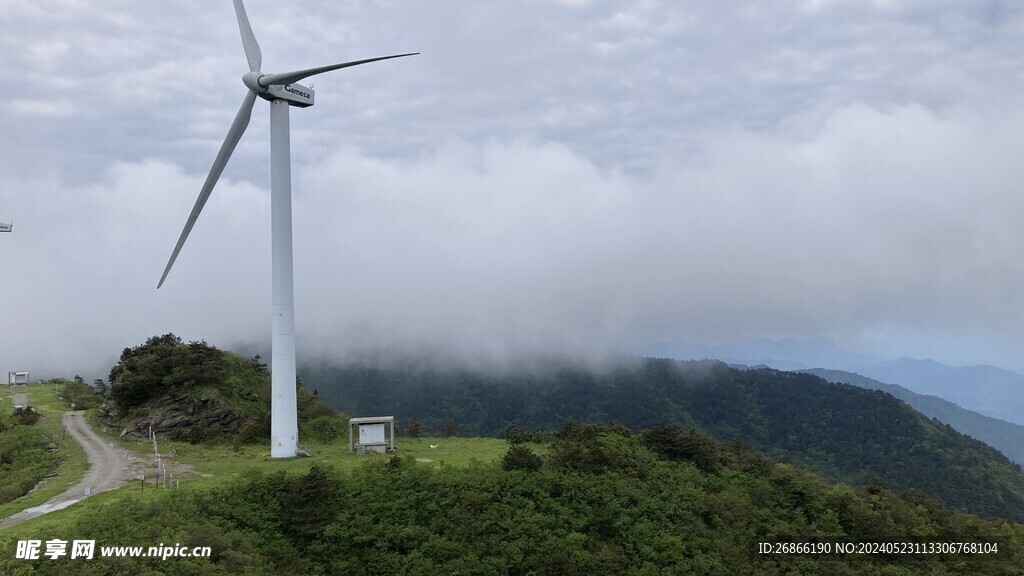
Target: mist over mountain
{"points": [[782, 354]]}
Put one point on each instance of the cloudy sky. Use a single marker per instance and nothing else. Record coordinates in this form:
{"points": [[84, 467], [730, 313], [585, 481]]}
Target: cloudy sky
{"points": [[577, 175]]}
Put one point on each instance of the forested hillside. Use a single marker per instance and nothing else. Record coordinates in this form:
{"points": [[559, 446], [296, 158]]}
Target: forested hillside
{"points": [[1004, 436], [843, 432], [604, 501]]}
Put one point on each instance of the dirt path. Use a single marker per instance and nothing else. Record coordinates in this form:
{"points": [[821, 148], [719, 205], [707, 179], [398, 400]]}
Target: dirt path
{"points": [[108, 469]]}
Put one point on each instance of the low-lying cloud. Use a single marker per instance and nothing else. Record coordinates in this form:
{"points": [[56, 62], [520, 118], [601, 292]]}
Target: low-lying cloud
{"points": [[885, 229]]}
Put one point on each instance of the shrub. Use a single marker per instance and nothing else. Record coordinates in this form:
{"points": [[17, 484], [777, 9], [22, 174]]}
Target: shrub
{"points": [[78, 393], [543, 436], [521, 458], [309, 405], [24, 460], [582, 431], [308, 503], [28, 416], [163, 363], [255, 429], [673, 444], [516, 435], [325, 428], [599, 448]]}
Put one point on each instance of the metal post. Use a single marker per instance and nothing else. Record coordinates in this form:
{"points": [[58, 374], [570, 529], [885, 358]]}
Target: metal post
{"points": [[284, 429]]}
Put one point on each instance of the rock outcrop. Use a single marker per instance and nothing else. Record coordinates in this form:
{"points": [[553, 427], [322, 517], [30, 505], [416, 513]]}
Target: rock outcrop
{"points": [[178, 417]]}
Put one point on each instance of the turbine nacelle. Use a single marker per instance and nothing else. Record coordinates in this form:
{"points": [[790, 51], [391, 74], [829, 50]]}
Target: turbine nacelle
{"points": [[296, 94]]}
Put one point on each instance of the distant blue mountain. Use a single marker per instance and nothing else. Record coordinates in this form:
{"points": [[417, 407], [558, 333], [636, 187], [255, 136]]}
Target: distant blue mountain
{"points": [[984, 389]]}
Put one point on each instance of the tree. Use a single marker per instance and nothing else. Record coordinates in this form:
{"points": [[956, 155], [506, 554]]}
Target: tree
{"points": [[100, 386], [307, 503], [80, 394], [521, 458], [516, 435], [412, 428], [672, 443], [261, 367], [449, 429]]}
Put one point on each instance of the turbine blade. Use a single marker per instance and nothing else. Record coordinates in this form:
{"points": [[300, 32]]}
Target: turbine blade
{"points": [[234, 135], [252, 49], [289, 77]]}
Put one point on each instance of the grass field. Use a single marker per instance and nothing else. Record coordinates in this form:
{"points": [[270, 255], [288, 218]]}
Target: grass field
{"points": [[206, 466]]}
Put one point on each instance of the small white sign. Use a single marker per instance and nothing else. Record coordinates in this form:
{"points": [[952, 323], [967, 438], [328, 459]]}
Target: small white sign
{"points": [[371, 433]]}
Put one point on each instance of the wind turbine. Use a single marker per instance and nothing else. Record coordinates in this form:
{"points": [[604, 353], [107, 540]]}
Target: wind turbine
{"points": [[282, 92]]}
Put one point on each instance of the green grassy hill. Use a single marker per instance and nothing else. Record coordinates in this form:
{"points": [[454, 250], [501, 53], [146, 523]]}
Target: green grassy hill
{"points": [[605, 501], [36, 460], [24, 457]]}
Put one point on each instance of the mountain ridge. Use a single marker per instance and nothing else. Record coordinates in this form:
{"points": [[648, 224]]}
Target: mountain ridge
{"points": [[1004, 436], [844, 432]]}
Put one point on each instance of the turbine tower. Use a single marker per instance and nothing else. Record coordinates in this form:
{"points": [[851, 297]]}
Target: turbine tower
{"points": [[282, 92]]}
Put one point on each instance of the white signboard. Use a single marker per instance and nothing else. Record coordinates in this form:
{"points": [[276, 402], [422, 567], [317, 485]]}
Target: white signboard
{"points": [[371, 433]]}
